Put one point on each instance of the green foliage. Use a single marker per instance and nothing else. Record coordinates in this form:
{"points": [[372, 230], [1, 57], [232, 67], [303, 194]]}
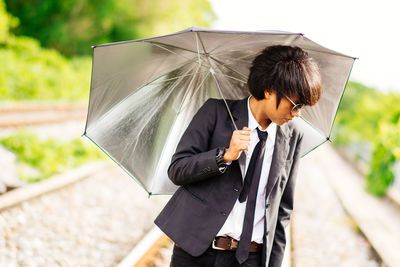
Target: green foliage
{"points": [[73, 26], [50, 156], [157, 17], [359, 114], [29, 72], [386, 151], [6, 22], [367, 116], [34, 73]]}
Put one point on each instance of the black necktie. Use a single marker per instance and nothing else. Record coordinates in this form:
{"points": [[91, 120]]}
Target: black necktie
{"points": [[249, 191]]}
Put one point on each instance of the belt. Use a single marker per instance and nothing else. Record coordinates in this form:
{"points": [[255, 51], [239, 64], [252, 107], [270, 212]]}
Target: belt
{"points": [[229, 243]]}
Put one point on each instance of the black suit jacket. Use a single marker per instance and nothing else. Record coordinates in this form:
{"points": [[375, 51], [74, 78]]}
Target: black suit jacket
{"points": [[202, 203]]}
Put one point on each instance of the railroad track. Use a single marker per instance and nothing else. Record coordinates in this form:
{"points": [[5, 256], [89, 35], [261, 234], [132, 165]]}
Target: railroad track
{"points": [[333, 216], [334, 196], [77, 212], [16, 115], [154, 250], [19, 196], [91, 216], [148, 251]]}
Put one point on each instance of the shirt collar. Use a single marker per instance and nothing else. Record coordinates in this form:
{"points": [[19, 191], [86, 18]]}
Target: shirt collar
{"points": [[253, 124]]}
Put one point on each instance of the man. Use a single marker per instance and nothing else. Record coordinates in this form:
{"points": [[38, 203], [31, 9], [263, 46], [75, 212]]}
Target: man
{"points": [[237, 186]]}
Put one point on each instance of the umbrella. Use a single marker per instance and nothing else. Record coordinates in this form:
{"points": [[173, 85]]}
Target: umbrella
{"points": [[145, 92]]}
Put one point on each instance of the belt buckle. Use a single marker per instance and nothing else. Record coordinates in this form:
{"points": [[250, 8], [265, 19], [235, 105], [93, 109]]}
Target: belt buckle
{"points": [[215, 247], [234, 244]]}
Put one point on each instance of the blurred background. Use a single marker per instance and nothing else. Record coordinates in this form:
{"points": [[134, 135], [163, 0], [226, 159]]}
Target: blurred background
{"points": [[63, 203]]}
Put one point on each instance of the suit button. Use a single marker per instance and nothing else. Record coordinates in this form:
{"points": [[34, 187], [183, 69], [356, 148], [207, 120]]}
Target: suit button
{"points": [[267, 205], [223, 213], [237, 190]]}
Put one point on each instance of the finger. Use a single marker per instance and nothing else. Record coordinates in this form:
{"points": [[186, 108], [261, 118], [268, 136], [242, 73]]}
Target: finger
{"points": [[241, 133], [241, 147], [241, 139], [244, 132], [242, 144], [244, 137], [245, 147]]}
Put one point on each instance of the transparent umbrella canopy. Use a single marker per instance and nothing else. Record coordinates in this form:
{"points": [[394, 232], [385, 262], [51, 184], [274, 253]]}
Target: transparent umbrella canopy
{"points": [[145, 92]]}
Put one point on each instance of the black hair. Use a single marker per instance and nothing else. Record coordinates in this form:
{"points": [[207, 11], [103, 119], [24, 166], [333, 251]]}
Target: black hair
{"points": [[286, 70]]}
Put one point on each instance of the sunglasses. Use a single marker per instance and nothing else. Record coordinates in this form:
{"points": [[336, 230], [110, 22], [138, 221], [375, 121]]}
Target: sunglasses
{"points": [[296, 107]]}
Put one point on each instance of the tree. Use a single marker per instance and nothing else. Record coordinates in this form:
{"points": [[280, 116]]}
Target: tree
{"points": [[30, 72], [6, 22], [72, 26]]}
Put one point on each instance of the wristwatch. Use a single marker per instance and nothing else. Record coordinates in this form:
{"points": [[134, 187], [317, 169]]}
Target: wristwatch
{"points": [[222, 165]]}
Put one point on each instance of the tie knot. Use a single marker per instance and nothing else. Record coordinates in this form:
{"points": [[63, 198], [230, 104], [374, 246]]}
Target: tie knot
{"points": [[262, 135]]}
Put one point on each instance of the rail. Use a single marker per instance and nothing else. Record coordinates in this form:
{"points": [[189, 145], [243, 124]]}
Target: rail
{"points": [[16, 115]]}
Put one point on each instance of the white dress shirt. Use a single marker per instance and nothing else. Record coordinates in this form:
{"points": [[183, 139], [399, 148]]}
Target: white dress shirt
{"points": [[234, 223]]}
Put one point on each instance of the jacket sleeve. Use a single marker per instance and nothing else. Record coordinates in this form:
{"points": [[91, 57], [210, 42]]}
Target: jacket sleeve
{"points": [[193, 161], [285, 210]]}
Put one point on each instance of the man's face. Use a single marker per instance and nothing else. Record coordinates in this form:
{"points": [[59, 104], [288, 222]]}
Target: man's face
{"points": [[283, 113]]}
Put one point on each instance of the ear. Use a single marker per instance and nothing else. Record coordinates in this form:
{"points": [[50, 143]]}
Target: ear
{"points": [[267, 94]]}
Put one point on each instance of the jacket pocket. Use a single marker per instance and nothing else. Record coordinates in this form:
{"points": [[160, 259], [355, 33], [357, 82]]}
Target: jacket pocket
{"points": [[195, 196]]}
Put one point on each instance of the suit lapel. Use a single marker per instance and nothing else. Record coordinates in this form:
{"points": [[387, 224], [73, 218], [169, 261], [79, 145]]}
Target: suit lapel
{"points": [[281, 149], [240, 114], [241, 117]]}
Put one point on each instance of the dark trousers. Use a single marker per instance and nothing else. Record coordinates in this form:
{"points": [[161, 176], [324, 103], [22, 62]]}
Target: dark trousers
{"points": [[212, 258]]}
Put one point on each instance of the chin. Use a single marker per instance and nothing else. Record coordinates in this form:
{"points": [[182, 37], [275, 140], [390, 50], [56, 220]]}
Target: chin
{"points": [[283, 121]]}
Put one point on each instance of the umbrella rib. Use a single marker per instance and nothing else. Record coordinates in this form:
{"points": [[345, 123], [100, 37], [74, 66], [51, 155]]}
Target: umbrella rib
{"points": [[246, 35], [314, 148], [233, 78], [173, 46], [168, 50], [341, 98], [319, 131], [175, 78], [312, 126], [222, 53], [197, 88], [334, 53], [117, 162], [198, 48], [212, 71], [187, 91], [228, 67], [224, 44]]}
